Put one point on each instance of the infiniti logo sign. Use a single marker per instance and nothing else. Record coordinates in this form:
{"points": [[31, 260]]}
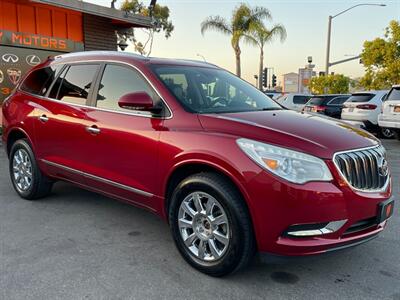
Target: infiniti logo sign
{"points": [[8, 57]]}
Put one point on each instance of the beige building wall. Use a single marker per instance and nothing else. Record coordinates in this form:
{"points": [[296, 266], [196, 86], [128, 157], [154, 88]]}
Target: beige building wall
{"points": [[290, 82]]}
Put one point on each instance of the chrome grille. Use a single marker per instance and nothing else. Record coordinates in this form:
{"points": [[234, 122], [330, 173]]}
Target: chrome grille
{"points": [[364, 169]]}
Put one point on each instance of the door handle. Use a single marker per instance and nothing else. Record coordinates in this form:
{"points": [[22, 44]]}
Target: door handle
{"points": [[93, 129], [43, 118]]}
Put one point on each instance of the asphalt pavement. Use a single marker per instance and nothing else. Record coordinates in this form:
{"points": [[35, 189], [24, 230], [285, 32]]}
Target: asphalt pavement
{"points": [[79, 245]]}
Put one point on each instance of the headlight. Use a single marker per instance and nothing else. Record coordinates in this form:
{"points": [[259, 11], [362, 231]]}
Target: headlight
{"points": [[291, 165]]}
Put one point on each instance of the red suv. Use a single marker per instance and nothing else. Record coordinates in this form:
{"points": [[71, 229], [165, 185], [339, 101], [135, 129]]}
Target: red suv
{"points": [[229, 169]]}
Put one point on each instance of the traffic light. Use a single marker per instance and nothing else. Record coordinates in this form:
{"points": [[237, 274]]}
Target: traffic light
{"points": [[273, 80], [265, 78]]}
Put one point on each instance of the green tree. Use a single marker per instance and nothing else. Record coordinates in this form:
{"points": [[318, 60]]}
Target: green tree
{"points": [[161, 23], [333, 84], [381, 59], [242, 18], [258, 36]]}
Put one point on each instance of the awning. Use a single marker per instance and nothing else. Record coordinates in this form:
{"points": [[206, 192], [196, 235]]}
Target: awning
{"points": [[121, 17]]}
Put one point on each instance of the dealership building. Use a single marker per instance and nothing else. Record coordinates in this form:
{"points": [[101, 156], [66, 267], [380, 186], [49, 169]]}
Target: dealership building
{"points": [[31, 31]]}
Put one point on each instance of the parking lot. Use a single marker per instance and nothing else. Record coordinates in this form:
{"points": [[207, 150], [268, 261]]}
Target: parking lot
{"points": [[79, 245]]}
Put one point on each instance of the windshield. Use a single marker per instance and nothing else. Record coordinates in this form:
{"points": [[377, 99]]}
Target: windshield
{"points": [[394, 94], [209, 90]]}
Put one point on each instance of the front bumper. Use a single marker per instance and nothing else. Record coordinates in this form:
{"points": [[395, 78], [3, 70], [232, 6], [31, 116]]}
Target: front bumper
{"points": [[278, 205]]}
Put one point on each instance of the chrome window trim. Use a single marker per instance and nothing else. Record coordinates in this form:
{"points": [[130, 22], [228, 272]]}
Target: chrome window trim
{"points": [[102, 109], [383, 189], [100, 179]]}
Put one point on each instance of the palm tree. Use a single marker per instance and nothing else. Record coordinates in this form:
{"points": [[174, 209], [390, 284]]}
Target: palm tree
{"points": [[258, 35], [242, 18]]}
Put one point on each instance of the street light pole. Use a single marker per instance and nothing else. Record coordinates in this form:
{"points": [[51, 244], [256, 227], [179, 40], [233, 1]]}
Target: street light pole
{"points": [[328, 44]]}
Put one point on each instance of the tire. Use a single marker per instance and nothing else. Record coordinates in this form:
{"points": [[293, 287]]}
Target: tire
{"points": [[386, 133], [38, 186], [217, 259]]}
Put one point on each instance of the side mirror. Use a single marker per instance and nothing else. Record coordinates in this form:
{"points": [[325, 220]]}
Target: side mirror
{"points": [[137, 101]]}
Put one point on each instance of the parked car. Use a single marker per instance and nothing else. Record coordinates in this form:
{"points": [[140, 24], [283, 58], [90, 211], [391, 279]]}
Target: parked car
{"points": [[273, 95], [362, 110], [229, 170], [294, 101], [329, 105], [390, 116]]}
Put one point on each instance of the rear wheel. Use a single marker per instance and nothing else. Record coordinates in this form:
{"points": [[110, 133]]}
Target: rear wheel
{"points": [[211, 225], [26, 177], [386, 133]]}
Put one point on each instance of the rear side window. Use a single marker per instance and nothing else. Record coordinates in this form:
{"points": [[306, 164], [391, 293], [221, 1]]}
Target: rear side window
{"points": [[74, 85], [394, 94], [300, 99], [361, 97], [319, 100], [39, 81], [338, 101]]}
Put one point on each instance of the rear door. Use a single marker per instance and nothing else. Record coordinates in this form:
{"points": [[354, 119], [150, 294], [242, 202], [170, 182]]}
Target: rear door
{"points": [[391, 107], [61, 127]]}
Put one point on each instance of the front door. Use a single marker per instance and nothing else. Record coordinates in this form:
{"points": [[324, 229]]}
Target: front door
{"points": [[61, 128], [125, 157]]}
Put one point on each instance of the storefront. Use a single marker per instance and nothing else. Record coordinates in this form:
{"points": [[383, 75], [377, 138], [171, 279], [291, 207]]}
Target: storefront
{"points": [[30, 31]]}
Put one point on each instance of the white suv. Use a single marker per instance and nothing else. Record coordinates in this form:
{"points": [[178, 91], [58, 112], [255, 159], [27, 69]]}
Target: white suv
{"points": [[390, 116], [362, 110], [294, 101]]}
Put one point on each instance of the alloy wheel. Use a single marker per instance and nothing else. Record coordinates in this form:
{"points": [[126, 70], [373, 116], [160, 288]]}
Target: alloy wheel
{"points": [[387, 133], [22, 170], [204, 226]]}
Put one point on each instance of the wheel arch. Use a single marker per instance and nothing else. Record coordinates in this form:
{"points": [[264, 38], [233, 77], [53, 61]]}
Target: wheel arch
{"points": [[191, 167], [14, 135]]}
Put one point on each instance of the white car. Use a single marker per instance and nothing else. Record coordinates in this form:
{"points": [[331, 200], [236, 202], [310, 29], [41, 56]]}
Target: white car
{"points": [[362, 110], [390, 116], [294, 101]]}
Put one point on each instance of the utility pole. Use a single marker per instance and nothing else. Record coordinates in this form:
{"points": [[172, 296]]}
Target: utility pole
{"points": [[328, 44]]}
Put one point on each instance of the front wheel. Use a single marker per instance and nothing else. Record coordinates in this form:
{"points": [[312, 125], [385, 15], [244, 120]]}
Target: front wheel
{"points": [[211, 225], [26, 177]]}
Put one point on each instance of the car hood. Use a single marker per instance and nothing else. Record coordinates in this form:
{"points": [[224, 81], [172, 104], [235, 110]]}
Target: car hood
{"points": [[309, 133]]}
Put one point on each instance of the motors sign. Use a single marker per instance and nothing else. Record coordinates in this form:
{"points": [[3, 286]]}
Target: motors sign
{"points": [[27, 40]]}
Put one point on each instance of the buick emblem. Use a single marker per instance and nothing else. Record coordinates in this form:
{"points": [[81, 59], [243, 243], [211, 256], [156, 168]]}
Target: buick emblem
{"points": [[14, 75], [1, 76], [383, 167], [33, 60], [10, 58]]}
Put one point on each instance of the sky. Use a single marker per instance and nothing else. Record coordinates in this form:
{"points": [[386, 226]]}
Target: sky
{"points": [[306, 23]]}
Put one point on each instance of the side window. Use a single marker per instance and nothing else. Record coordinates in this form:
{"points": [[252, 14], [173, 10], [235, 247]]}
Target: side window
{"points": [[118, 81], [338, 101], [39, 81], [74, 85], [300, 99]]}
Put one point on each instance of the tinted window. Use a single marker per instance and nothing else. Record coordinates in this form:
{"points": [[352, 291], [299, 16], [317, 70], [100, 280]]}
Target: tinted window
{"points": [[39, 81], [394, 94], [76, 84], [361, 98], [300, 99], [320, 100], [118, 81], [338, 101], [209, 90]]}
